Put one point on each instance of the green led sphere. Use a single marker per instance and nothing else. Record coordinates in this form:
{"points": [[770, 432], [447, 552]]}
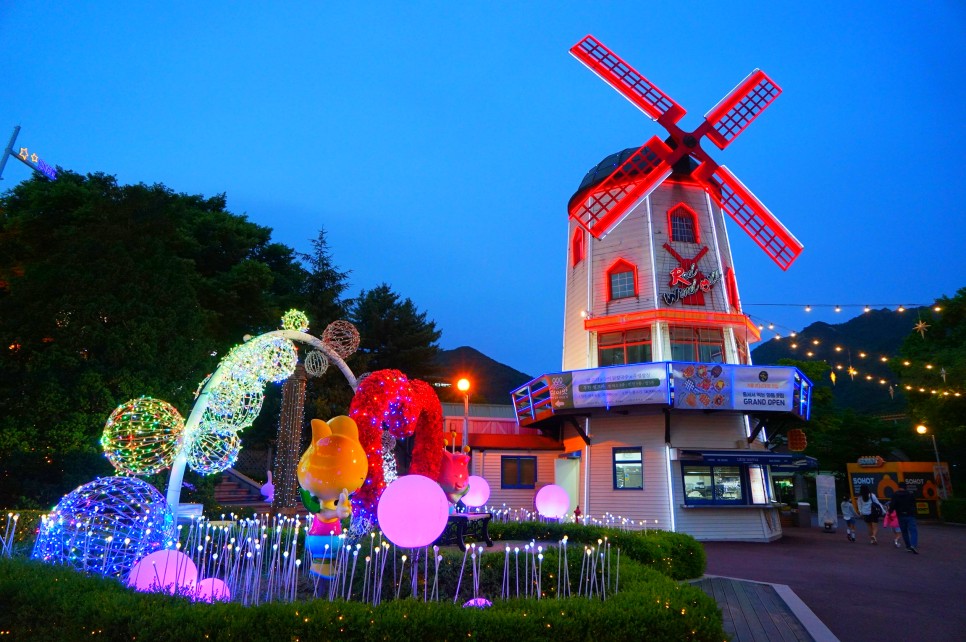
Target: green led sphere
{"points": [[142, 436]]}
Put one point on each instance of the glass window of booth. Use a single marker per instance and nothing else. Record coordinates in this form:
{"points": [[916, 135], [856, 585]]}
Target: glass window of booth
{"points": [[628, 469], [618, 348], [713, 484]]}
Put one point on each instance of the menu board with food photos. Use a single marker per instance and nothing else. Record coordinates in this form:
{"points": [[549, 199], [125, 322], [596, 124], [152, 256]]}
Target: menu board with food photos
{"points": [[715, 386]]}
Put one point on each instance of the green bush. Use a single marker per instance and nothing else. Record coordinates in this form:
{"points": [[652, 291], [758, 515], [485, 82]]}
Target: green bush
{"points": [[676, 555], [953, 510], [56, 603]]}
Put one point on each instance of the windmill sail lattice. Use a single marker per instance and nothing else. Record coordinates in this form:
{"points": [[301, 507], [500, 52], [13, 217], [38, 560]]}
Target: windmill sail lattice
{"points": [[604, 204]]}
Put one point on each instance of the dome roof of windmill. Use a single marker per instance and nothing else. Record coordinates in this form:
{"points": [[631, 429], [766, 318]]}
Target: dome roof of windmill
{"points": [[606, 167]]}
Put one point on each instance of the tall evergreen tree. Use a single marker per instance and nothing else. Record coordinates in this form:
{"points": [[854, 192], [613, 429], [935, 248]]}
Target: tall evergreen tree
{"points": [[394, 333]]}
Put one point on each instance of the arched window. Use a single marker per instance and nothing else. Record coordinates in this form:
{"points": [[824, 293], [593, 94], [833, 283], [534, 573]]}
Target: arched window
{"points": [[682, 222], [578, 248], [621, 280]]}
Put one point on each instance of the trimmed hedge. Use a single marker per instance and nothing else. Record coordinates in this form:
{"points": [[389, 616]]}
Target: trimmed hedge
{"points": [[56, 603], [953, 510], [676, 555]]}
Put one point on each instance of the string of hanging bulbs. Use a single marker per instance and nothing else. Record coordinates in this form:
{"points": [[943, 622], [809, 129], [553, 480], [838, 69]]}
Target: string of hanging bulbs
{"points": [[811, 346]]}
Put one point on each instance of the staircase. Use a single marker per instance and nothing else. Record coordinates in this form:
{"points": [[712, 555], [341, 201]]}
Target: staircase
{"points": [[236, 489]]}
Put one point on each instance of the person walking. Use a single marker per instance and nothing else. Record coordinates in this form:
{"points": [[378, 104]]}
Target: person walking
{"points": [[849, 515], [871, 509], [891, 520], [904, 503]]}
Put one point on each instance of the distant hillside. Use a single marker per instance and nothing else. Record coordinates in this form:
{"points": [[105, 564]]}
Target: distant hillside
{"points": [[491, 380], [876, 333]]}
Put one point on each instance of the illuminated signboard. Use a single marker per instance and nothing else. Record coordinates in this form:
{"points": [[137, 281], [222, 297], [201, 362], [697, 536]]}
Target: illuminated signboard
{"points": [[37, 163]]}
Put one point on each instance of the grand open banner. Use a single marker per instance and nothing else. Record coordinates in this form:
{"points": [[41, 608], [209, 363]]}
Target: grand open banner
{"points": [[706, 386]]}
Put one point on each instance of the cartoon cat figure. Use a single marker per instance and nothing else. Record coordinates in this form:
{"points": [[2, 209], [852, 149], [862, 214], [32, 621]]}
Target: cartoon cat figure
{"points": [[332, 467], [454, 475]]}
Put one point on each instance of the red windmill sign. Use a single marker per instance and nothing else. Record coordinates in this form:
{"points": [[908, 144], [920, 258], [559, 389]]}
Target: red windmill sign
{"points": [[645, 169]]}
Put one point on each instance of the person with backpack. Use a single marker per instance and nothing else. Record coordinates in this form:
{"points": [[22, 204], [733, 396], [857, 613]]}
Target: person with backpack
{"points": [[871, 510], [904, 503]]}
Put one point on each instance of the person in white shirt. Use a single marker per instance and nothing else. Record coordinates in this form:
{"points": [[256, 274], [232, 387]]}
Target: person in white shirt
{"points": [[871, 510], [849, 515]]}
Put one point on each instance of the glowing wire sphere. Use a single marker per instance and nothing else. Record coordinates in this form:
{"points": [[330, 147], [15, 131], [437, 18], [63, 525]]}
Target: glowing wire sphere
{"points": [[263, 358], [166, 571], [316, 363], [342, 337], [295, 320], [552, 501], [412, 511], [479, 492], [213, 451], [233, 404], [142, 436], [105, 526]]}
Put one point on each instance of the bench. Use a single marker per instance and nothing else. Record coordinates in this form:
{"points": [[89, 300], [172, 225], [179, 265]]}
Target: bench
{"points": [[459, 525]]}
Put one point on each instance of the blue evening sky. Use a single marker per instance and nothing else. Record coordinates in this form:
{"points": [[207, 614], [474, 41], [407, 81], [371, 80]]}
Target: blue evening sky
{"points": [[438, 143]]}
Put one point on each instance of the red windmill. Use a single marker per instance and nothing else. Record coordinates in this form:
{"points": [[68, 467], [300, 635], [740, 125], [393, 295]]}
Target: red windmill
{"points": [[599, 209]]}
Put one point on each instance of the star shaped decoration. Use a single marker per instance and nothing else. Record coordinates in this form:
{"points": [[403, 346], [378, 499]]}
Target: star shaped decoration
{"points": [[23, 153], [921, 328], [942, 373], [34, 158], [853, 372]]}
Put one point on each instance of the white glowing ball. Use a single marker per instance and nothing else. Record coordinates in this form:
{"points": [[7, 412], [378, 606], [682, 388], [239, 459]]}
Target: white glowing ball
{"points": [[168, 570], [211, 589], [479, 492], [412, 511], [552, 501]]}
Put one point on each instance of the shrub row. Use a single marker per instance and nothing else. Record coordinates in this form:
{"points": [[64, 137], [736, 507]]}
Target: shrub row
{"points": [[953, 510], [56, 603], [676, 555]]}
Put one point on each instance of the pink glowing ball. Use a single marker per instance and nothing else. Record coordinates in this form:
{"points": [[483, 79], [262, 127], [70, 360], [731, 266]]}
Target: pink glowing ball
{"points": [[552, 501], [211, 589], [479, 492], [412, 511], [167, 570]]}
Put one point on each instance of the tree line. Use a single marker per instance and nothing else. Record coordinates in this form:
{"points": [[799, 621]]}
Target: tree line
{"points": [[109, 292]]}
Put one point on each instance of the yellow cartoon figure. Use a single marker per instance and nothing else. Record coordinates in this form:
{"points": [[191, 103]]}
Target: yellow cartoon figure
{"points": [[332, 467]]}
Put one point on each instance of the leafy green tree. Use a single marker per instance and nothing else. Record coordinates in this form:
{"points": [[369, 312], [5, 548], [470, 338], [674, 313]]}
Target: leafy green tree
{"points": [[109, 292], [941, 345], [394, 333]]}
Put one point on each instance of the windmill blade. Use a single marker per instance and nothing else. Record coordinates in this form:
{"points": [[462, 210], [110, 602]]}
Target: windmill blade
{"points": [[738, 109], [599, 209], [627, 80], [751, 214]]}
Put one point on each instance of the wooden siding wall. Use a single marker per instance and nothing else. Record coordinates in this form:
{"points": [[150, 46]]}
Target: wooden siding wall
{"points": [[707, 431], [575, 352], [650, 504], [628, 241], [487, 465]]}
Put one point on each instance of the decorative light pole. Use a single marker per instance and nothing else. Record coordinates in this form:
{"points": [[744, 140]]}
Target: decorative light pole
{"points": [[463, 385], [923, 430]]}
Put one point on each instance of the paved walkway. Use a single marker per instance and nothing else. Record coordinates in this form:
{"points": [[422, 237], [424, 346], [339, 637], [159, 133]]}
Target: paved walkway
{"points": [[857, 591]]}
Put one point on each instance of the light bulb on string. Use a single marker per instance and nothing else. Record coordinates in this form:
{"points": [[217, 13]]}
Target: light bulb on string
{"points": [[838, 308]]}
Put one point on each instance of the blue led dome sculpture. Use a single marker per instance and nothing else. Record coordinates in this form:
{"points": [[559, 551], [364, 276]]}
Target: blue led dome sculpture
{"points": [[105, 526]]}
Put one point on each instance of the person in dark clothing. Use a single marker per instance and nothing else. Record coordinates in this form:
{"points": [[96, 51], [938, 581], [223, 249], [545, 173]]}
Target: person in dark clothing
{"points": [[904, 503]]}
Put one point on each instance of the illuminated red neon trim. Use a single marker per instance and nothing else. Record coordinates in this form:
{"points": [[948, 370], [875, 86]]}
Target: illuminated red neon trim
{"points": [[690, 317], [615, 267], [577, 247], [694, 221], [731, 287]]}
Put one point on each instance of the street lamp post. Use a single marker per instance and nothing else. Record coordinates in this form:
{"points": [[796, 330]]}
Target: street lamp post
{"points": [[463, 385], [922, 430]]}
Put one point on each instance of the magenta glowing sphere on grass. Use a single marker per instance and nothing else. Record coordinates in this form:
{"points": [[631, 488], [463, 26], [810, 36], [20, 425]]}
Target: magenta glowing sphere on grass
{"points": [[552, 501], [211, 589], [412, 511], [169, 571], [479, 492]]}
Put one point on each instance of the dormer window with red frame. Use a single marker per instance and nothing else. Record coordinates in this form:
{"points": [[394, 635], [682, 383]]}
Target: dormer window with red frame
{"points": [[682, 223], [578, 247], [621, 280]]}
